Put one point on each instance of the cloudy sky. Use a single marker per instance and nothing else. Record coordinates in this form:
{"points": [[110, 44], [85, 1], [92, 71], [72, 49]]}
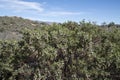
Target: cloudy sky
{"points": [[63, 10]]}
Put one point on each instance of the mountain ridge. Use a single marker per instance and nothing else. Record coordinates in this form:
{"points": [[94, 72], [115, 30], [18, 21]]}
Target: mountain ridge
{"points": [[10, 27]]}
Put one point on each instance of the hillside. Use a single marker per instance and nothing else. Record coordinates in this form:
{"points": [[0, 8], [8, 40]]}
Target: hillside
{"points": [[68, 51], [10, 27]]}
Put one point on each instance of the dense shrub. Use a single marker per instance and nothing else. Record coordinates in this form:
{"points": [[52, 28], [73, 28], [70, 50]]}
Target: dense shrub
{"points": [[68, 51]]}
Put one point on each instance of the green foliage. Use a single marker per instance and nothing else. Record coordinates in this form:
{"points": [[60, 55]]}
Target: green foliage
{"points": [[68, 51]]}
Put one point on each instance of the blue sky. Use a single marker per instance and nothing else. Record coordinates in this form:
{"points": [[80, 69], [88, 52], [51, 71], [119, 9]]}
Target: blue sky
{"points": [[63, 10]]}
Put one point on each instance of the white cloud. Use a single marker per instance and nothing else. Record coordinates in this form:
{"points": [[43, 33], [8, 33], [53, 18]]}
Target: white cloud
{"points": [[36, 11], [63, 13], [20, 5], [33, 7]]}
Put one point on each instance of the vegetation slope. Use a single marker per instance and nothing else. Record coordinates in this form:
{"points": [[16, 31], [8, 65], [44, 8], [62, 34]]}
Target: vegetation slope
{"points": [[68, 51]]}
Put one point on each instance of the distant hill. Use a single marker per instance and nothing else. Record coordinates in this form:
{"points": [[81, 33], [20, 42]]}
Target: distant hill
{"points": [[11, 26]]}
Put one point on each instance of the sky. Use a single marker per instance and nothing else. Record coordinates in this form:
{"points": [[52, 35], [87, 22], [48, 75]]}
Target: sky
{"points": [[98, 11]]}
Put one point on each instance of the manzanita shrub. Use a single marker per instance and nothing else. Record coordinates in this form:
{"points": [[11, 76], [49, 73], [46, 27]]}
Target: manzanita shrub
{"points": [[68, 51]]}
